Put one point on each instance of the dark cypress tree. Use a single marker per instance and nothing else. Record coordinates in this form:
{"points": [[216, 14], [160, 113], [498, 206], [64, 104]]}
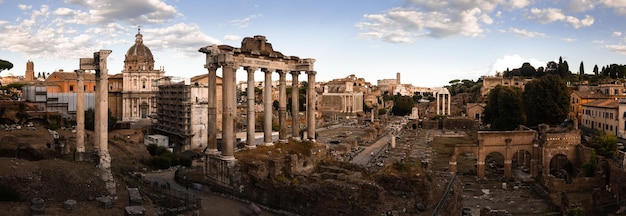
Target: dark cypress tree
{"points": [[546, 101]]}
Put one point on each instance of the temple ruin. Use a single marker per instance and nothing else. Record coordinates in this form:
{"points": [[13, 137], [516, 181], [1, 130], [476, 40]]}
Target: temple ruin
{"points": [[99, 64], [255, 54]]}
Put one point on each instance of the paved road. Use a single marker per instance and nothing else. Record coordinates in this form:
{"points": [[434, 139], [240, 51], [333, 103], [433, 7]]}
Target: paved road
{"points": [[211, 204], [366, 155]]}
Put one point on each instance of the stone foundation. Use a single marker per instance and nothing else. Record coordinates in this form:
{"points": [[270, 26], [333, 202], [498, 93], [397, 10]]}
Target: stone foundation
{"points": [[221, 171]]}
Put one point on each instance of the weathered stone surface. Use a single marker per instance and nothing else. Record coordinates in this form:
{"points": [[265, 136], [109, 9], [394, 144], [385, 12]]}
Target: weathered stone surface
{"points": [[105, 201], [69, 204], [134, 211]]}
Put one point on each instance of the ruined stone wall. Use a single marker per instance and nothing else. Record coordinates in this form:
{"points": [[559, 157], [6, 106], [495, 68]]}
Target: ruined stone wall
{"points": [[578, 184], [459, 123]]}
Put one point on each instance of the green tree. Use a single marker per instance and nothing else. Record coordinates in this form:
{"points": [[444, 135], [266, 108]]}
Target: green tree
{"points": [[595, 70], [5, 65], [90, 118], [546, 101], [605, 144], [528, 70], [504, 110], [581, 71], [402, 105]]}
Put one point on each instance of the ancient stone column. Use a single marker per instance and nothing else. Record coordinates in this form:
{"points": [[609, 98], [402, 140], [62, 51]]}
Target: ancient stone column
{"points": [[267, 108], [103, 105], [96, 119], [80, 115], [251, 117], [282, 107], [229, 110], [507, 168], [449, 99], [480, 169], [212, 103], [437, 100], [310, 121], [295, 108]]}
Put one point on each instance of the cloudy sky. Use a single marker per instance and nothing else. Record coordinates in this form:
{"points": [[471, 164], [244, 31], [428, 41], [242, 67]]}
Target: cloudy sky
{"points": [[430, 42]]}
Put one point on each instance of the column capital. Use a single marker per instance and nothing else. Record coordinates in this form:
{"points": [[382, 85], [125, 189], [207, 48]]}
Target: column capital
{"points": [[211, 66], [311, 72], [79, 73], [294, 73], [250, 69], [281, 73], [268, 70], [229, 64]]}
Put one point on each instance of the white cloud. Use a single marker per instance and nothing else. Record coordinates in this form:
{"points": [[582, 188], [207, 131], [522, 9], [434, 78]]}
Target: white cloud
{"points": [[514, 61], [232, 37], [24, 7], [621, 49], [581, 5], [597, 41], [434, 18], [616, 34], [525, 33], [181, 37], [550, 15], [134, 12], [243, 23], [568, 39]]}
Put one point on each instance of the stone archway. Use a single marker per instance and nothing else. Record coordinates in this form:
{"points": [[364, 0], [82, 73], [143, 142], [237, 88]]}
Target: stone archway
{"points": [[522, 159], [561, 167], [494, 164]]}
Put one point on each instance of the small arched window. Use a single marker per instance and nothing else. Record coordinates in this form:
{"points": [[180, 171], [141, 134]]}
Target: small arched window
{"points": [[143, 84]]}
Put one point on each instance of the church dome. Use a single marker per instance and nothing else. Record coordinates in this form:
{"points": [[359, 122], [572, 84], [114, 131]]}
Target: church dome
{"points": [[139, 57]]}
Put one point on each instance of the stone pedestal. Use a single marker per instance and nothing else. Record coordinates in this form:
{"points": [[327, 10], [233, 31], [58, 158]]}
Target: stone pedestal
{"points": [[221, 170], [69, 204]]}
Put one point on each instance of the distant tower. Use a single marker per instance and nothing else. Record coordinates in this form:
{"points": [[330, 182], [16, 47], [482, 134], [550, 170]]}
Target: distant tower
{"points": [[398, 78], [30, 71]]}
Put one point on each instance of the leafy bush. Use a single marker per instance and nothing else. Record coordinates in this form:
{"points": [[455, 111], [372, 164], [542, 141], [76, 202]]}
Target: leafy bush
{"points": [[162, 162]]}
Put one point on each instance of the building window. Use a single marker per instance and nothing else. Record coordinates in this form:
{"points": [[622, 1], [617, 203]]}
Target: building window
{"points": [[94, 88], [71, 88], [143, 84]]}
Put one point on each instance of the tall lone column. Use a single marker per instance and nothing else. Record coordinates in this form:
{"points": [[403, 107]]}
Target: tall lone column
{"points": [[282, 107], [295, 108], [251, 139], [267, 108], [229, 112], [310, 103], [103, 105], [80, 116], [212, 118]]}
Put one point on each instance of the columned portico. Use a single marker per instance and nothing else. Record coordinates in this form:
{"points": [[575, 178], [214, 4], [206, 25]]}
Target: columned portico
{"points": [[267, 108], [295, 108], [443, 98], [251, 143], [255, 53], [282, 107]]}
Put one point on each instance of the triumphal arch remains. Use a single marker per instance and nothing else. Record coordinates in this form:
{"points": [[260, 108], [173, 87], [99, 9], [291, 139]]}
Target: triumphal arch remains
{"points": [[254, 54], [543, 151]]}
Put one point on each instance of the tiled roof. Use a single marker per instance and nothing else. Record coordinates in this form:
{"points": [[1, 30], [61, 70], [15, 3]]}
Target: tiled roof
{"points": [[605, 103], [72, 76], [589, 94]]}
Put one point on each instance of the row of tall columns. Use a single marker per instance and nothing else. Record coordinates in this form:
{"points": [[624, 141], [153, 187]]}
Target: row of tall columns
{"points": [[441, 104], [229, 108]]}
